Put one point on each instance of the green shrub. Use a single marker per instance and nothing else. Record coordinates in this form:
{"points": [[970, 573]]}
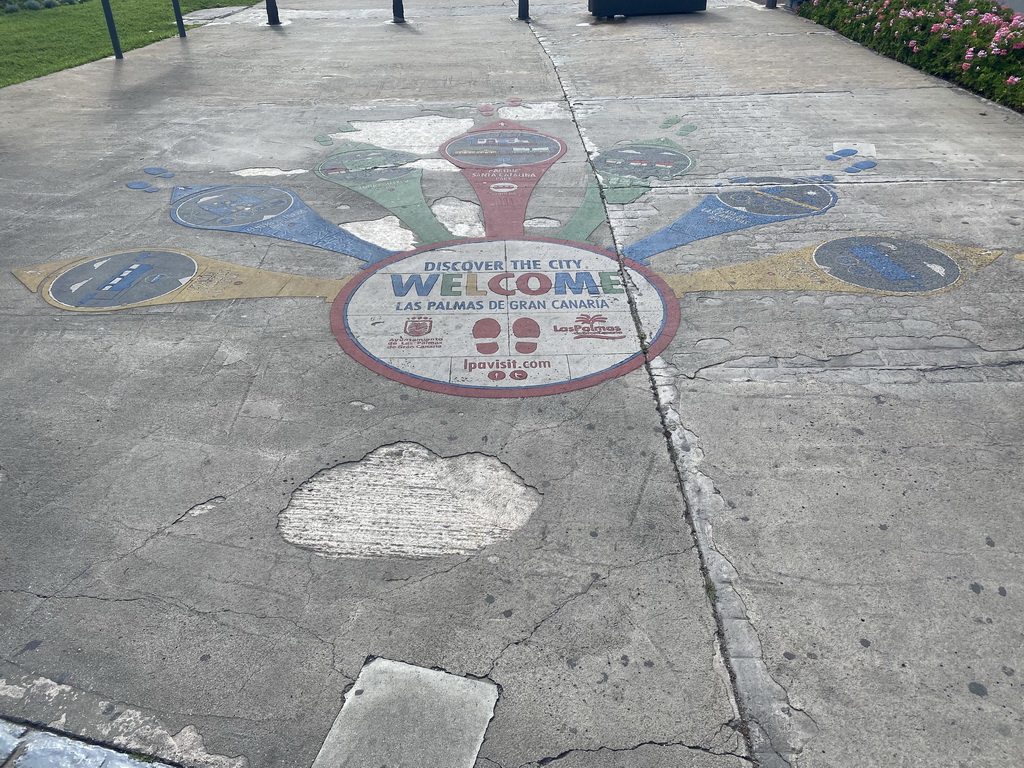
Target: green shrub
{"points": [[973, 43], [12, 8], [50, 3], [32, 5]]}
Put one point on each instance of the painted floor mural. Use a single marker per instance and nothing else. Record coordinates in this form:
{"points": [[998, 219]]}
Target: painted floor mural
{"points": [[505, 315]]}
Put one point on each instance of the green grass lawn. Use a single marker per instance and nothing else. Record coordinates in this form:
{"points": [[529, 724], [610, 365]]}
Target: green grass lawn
{"points": [[36, 43]]}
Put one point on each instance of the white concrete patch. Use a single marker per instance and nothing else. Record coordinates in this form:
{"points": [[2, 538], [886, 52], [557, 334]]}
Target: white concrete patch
{"points": [[434, 165], [268, 172], [403, 500], [543, 223], [422, 135], [461, 217], [542, 110], [387, 233], [11, 691], [401, 716]]}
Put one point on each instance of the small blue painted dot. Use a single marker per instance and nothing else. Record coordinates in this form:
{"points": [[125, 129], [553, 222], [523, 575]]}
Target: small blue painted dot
{"points": [[137, 184], [167, 175], [826, 177], [845, 152], [865, 164], [851, 169], [152, 189], [155, 171], [833, 157]]}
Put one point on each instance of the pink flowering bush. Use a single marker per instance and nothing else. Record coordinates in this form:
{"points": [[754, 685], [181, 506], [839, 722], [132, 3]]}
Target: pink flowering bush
{"points": [[977, 44]]}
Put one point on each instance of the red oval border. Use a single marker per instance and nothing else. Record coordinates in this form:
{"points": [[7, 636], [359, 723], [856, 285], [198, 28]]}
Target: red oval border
{"points": [[352, 348]]}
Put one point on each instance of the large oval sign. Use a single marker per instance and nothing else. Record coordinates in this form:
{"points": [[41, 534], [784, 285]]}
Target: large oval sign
{"points": [[503, 318]]}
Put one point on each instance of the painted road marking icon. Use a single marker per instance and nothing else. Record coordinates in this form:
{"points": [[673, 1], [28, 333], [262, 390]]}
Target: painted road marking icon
{"points": [[778, 200], [122, 280], [503, 162], [502, 318], [267, 211], [887, 264]]}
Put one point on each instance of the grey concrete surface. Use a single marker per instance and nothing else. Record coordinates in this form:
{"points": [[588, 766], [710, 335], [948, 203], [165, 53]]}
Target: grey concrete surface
{"points": [[790, 537]]}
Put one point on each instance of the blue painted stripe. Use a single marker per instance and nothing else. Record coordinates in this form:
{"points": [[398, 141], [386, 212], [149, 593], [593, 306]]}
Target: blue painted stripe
{"points": [[881, 263]]}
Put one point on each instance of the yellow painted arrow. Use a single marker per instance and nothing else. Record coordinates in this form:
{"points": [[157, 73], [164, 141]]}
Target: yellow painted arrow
{"points": [[211, 280], [798, 271]]}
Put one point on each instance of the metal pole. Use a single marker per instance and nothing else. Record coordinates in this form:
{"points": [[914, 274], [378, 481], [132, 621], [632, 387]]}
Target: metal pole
{"points": [[177, 17], [524, 10], [398, 11], [272, 17], [771, 3], [114, 41]]}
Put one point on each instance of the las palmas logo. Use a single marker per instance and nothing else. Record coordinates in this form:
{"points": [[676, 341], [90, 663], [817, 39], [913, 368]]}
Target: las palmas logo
{"points": [[592, 327]]}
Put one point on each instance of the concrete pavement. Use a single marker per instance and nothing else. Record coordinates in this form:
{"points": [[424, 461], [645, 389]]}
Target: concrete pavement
{"points": [[642, 393]]}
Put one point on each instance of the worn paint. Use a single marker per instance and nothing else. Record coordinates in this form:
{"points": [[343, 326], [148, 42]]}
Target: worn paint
{"points": [[420, 135], [379, 175], [503, 163], [772, 200], [143, 278], [503, 318], [267, 211], [801, 269]]}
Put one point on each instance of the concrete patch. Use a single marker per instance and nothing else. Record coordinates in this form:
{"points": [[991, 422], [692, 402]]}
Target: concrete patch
{"points": [[463, 218], [401, 716], [80, 712], [387, 232], [403, 500], [268, 172], [422, 135]]}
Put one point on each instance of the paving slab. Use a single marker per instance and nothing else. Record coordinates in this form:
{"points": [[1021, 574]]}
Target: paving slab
{"points": [[401, 715], [660, 376]]}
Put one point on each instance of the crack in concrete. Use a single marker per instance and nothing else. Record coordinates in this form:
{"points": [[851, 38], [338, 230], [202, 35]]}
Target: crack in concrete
{"points": [[595, 578], [776, 730], [695, 748], [416, 580], [797, 365]]}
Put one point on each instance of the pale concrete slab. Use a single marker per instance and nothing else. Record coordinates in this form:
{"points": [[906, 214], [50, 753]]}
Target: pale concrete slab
{"points": [[404, 716]]}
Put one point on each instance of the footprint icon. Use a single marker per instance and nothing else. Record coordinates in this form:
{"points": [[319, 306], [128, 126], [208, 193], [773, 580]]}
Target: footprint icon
{"points": [[526, 328], [486, 328]]}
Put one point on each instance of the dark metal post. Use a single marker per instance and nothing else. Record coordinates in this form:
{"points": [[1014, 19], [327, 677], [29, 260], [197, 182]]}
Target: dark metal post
{"points": [[177, 17], [771, 3], [524, 10], [114, 41], [273, 19], [398, 11]]}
